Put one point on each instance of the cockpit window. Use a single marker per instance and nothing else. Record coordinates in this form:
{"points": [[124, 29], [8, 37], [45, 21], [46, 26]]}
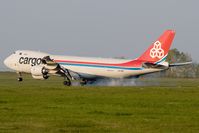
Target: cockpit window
{"points": [[20, 53]]}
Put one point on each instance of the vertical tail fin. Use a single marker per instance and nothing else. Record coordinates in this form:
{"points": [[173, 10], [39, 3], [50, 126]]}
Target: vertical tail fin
{"points": [[158, 51]]}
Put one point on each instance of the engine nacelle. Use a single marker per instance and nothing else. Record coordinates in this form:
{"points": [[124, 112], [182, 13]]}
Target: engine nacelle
{"points": [[40, 77], [39, 72], [51, 67]]}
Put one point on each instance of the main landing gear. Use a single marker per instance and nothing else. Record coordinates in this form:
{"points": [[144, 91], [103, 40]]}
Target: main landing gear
{"points": [[67, 83], [83, 82], [70, 81]]}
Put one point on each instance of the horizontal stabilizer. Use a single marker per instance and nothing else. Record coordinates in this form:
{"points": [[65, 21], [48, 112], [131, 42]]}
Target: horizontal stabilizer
{"points": [[180, 64]]}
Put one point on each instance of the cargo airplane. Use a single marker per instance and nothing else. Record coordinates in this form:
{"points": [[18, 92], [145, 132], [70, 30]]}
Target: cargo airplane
{"points": [[84, 70]]}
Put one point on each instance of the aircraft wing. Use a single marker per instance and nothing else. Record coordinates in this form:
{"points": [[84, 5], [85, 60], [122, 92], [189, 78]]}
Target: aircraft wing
{"points": [[180, 64], [54, 68]]}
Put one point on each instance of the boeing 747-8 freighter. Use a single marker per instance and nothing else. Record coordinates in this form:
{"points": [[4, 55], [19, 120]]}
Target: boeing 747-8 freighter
{"points": [[83, 69]]}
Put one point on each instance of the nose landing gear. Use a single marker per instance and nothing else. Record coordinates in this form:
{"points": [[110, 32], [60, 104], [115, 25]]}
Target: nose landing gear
{"points": [[19, 77]]}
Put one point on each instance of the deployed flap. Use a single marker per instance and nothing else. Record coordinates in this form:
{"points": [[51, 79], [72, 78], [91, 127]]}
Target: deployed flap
{"points": [[48, 60]]}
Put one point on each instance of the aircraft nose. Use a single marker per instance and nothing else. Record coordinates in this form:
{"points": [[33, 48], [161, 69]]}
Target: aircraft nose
{"points": [[6, 62]]}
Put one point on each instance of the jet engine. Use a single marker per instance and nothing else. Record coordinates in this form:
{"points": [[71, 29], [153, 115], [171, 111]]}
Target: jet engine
{"points": [[39, 72]]}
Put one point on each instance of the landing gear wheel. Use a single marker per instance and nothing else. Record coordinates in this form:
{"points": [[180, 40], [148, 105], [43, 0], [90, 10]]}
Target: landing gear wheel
{"points": [[67, 83], [45, 76], [83, 82], [20, 79], [19, 76]]}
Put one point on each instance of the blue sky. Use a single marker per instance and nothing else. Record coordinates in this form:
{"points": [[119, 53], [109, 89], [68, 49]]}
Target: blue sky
{"points": [[101, 28]]}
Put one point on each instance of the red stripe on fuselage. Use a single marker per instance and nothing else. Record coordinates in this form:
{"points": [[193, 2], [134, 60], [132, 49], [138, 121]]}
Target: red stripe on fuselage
{"points": [[134, 63]]}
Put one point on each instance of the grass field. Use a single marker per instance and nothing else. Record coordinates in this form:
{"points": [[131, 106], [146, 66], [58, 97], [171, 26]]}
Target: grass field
{"points": [[161, 105]]}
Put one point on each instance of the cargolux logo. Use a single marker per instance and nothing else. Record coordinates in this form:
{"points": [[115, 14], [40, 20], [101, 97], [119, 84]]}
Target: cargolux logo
{"points": [[29, 60], [157, 50]]}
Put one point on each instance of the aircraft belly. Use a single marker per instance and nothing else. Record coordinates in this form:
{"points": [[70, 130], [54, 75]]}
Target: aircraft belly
{"points": [[110, 73], [145, 71], [103, 72]]}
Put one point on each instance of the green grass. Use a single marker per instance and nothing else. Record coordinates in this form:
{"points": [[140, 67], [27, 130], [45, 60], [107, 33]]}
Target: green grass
{"points": [[47, 106]]}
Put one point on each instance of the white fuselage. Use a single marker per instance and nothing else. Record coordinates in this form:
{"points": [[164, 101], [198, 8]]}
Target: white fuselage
{"points": [[22, 61]]}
